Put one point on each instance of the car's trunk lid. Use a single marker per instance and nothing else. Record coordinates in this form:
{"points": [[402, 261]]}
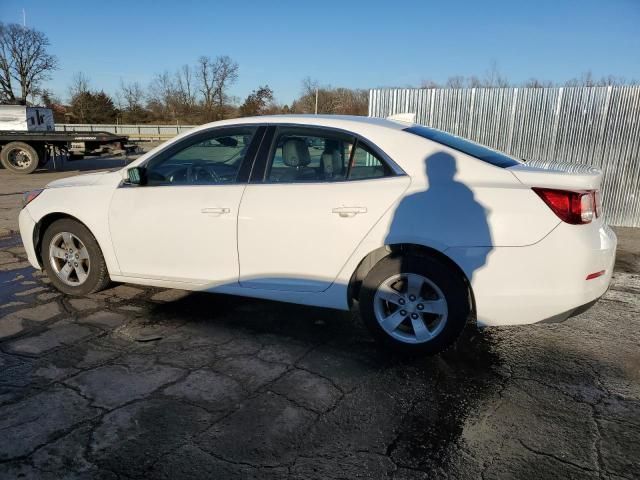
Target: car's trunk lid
{"points": [[562, 176]]}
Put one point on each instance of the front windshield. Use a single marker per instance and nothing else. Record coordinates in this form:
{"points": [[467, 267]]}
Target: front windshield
{"points": [[486, 154]]}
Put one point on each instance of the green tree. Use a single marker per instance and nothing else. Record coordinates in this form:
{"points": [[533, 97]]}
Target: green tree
{"points": [[93, 107], [257, 102]]}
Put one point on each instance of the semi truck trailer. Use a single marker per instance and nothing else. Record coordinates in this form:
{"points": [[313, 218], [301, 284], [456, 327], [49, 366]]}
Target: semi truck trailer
{"points": [[28, 139]]}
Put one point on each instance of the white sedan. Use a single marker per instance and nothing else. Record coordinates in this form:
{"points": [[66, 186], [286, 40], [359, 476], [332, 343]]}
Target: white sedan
{"points": [[425, 230]]}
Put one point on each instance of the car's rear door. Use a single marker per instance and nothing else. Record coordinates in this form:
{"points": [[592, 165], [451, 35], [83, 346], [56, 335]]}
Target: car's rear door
{"points": [[314, 195], [182, 224]]}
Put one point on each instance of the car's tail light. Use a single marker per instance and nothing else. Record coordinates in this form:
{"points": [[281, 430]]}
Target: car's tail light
{"points": [[575, 208], [30, 196], [593, 275]]}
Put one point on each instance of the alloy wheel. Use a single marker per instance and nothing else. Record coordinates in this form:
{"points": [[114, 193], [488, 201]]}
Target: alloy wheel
{"points": [[69, 259], [410, 308]]}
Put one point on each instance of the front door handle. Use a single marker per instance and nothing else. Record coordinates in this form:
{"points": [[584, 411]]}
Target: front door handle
{"points": [[215, 211], [349, 211]]}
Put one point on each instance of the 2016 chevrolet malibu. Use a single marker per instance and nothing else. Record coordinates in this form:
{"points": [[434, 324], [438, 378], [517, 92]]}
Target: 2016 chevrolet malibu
{"points": [[424, 229]]}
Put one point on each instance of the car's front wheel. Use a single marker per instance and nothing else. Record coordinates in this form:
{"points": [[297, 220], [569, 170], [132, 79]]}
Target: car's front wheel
{"points": [[72, 258], [414, 304]]}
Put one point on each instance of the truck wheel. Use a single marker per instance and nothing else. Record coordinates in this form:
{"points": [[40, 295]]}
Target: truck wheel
{"points": [[19, 157]]}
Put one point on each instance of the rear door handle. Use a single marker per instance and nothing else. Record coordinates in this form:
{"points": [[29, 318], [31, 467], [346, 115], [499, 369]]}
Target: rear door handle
{"points": [[215, 211], [349, 211]]}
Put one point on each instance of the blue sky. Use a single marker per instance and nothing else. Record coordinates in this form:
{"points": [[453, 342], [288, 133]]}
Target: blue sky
{"points": [[343, 43]]}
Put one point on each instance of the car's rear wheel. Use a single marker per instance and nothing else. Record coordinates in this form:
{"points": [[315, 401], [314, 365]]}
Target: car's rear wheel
{"points": [[72, 258], [414, 304]]}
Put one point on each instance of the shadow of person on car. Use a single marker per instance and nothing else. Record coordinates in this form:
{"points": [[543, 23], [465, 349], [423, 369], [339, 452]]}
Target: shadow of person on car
{"points": [[449, 208]]}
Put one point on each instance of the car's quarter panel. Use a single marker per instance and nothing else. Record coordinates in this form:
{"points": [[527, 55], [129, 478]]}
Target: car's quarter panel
{"points": [[298, 236], [521, 285], [85, 198], [182, 233]]}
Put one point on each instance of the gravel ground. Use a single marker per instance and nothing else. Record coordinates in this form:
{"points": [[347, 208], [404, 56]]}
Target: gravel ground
{"points": [[150, 383]]}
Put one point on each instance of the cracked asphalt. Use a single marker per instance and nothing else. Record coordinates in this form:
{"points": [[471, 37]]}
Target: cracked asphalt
{"points": [[140, 382]]}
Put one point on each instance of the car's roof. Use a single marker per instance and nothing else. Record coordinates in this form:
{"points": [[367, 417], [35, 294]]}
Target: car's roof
{"points": [[339, 121]]}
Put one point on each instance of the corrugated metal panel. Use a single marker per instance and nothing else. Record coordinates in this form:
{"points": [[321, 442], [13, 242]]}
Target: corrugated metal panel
{"points": [[596, 126]]}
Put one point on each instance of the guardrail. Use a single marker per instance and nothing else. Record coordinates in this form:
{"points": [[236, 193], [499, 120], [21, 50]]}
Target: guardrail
{"points": [[134, 132]]}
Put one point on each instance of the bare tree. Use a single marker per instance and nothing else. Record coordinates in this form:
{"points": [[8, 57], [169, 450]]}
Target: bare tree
{"points": [[456, 81], [79, 95], [351, 101], [80, 83], [163, 96], [494, 78], [23, 59], [535, 83], [342, 101], [206, 77], [474, 82], [588, 80], [133, 96], [585, 80], [226, 75], [326, 100], [428, 83], [185, 85], [215, 77]]}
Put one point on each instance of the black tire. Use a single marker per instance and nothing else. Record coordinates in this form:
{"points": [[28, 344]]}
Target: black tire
{"points": [[27, 150], [98, 276], [451, 284]]}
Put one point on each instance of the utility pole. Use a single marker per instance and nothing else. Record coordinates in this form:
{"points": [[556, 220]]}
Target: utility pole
{"points": [[24, 18], [316, 100]]}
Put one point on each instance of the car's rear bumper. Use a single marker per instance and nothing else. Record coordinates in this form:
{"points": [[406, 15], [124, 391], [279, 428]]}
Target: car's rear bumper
{"points": [[546, 281], [27, 225]]}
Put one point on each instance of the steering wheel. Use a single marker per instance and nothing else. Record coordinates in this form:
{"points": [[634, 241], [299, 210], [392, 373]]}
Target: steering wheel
{"points": [[197, 172]]}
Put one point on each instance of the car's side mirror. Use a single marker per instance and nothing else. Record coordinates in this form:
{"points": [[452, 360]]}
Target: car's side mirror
{"points": [[136, 176]]}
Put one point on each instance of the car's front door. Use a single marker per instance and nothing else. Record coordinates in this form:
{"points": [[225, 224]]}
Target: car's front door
{"points": [[319, 194], [181, 223]]}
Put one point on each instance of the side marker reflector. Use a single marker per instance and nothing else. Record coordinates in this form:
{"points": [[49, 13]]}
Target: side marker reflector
{"points": [[593, 275]]}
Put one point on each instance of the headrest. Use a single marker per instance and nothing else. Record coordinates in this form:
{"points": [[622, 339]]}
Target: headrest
{"points": [[332, 164], [295, 153]]}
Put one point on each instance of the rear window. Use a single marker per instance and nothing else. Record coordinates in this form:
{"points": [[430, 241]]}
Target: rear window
{"points": [[463, 145]]}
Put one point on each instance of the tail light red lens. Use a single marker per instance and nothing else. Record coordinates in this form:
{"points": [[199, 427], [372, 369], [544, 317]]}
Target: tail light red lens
{"points": [[593, 275], [576, 208]]}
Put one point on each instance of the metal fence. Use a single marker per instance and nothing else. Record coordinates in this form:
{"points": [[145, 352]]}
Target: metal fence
{"points": [[598, 126], [134, 132]]}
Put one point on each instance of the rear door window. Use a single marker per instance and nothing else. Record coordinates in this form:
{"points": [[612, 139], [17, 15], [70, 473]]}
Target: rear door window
{"points": [[309, 156], [301, 154], [366, 164]]}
